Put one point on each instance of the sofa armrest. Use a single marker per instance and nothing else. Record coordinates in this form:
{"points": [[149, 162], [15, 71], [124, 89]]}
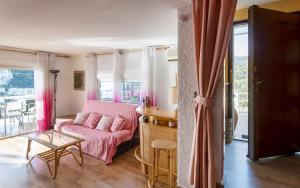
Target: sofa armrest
{"points": [[59, 124]]}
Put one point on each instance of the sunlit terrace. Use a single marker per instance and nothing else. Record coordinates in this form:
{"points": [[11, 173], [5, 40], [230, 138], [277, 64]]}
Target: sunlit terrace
{"points": [[17, 115]]}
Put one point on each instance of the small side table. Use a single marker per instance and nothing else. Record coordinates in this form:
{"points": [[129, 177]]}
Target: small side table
{"points": [[162, 145]]}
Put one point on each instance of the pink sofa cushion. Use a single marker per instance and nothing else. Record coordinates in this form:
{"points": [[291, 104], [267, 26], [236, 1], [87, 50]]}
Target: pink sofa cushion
{"points": [[81, 118], [118, 124], [127, 111], [105, 123], [92, 120]]}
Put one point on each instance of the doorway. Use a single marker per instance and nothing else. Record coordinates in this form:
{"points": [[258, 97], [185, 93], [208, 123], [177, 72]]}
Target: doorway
{"points": [[273, 101], [238, 79]]}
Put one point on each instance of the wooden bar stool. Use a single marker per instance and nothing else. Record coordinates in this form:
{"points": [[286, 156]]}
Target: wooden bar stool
{"points": [[158, 146]]}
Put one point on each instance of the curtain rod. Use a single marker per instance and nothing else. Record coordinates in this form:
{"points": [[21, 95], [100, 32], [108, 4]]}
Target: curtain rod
{"points": [[29, 51], [131, 50]]}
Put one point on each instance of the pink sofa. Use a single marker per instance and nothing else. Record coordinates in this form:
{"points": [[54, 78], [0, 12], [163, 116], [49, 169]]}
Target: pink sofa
{"points": [[100, 144]]}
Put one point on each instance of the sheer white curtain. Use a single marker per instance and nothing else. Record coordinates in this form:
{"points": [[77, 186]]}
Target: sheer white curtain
{"points": [[44, 90], [105, 76], [149, 74], [92, 86], [117, 76], [105, 67], [131, 66]]}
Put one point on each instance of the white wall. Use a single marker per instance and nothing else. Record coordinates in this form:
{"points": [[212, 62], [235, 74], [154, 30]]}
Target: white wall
{"points": [[187, 86], [64, 87], [78, 97]]}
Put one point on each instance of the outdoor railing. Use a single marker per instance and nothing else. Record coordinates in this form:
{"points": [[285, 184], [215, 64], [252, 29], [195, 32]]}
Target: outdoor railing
{"points": [[16, 107]]}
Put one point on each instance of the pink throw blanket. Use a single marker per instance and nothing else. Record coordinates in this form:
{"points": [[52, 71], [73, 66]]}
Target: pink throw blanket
{"points": [[101, 144]]}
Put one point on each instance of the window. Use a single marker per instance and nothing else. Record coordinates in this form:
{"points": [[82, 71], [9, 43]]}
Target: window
{"points": [[106, 90], [130, 92], [131, 76], [105, 77], [16, 82]]}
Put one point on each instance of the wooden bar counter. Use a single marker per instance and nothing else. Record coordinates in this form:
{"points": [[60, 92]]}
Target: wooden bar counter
{"points": [[157, 127]]}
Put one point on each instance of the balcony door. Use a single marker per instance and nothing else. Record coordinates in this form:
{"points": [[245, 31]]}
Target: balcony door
{"points": [[17, 101]]}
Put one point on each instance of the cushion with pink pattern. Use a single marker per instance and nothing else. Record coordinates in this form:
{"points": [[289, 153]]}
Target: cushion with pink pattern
{"points": [[92, 120], [105, 123], [118, 124]]}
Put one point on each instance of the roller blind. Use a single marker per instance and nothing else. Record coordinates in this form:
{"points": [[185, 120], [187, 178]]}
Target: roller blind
{"points": [[132, 65], [17, 59], [105, 67]]}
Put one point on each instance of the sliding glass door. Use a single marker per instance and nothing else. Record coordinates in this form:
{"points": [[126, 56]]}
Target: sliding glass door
{"points": [[17, 101]]}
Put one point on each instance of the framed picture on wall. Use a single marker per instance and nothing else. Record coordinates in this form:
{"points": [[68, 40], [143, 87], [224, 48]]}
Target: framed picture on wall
{"points": [[79, 80]]}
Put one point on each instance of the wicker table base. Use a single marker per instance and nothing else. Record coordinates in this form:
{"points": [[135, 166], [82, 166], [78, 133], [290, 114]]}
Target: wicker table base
{"points": [[54, 154]]}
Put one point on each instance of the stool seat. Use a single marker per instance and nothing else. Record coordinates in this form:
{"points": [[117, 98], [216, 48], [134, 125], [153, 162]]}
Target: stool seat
{"points": [[163, 144]]}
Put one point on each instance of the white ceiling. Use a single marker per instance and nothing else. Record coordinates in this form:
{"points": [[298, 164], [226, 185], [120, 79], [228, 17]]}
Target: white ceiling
{"points": [[82, 26]]}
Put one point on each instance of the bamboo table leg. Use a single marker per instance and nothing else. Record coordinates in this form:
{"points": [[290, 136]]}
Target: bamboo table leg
{"points": [[80, 153], [55, 164], [55, 155], [56, 158], [81, 156], [28, 149]]}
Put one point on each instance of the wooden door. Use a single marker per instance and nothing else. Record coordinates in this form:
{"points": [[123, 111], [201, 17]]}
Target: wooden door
{"points": [[274, 83]]}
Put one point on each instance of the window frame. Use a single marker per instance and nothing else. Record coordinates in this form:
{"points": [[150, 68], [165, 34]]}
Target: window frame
{"points": [[100, 92], [130, 82]]}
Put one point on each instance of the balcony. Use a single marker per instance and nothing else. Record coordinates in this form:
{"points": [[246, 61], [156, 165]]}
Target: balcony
{"points": [[241, 107], [17, 115]]}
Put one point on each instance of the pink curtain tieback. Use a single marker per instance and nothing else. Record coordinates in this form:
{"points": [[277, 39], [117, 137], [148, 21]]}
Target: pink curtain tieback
{"points": [[206, 102]]}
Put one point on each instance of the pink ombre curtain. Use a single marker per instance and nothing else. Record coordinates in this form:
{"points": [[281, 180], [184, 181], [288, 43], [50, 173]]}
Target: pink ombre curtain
{"points": [[44, 90], [149, 75], [212, 26], [117, 76], [92, 86]]}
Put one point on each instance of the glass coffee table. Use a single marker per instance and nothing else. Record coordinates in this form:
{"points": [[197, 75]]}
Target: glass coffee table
{"points": [[60, 144]]}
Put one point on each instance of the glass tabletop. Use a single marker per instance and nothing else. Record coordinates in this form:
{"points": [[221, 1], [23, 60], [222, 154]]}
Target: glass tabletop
{"points": [[53, 139]]}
